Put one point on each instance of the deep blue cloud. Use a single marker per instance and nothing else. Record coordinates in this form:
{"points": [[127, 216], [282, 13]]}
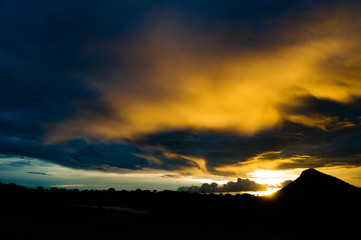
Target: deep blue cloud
{"points": [[332, 148], [77, 154]]}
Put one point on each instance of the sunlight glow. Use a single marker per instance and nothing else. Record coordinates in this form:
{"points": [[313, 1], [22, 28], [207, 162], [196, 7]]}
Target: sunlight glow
{"points": [[273, 177], [269, 191]]}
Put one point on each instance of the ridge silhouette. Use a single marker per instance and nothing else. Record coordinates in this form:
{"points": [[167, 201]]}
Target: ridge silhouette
{"points": [[317, 185]]}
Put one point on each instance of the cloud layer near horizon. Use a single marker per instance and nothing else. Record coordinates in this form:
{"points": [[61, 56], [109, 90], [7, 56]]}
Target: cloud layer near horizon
{"points": [[199, 88], [238, 186]]}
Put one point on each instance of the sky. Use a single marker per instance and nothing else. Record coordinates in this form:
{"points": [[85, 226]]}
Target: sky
{"points": [[163, 94]]}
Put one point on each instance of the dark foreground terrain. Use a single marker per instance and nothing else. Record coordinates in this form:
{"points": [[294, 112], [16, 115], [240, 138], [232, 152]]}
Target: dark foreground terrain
{"points": [[314, 206]]}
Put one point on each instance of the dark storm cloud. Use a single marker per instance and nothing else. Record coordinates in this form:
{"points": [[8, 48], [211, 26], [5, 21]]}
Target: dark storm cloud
{"points": [[76, 154], [218, 148], [47, 47], [225, 148], [334, 146], [312, 105], [43, 46], [334, 115]]}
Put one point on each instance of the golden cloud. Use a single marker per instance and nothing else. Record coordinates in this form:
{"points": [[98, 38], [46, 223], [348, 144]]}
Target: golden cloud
{"points": [[172, 78]]}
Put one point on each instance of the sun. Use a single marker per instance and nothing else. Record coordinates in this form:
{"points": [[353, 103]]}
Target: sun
{"points": [[273, 177]]}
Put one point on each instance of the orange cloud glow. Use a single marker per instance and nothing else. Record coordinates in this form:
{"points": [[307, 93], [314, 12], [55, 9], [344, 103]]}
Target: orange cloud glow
{"points": [[174, 79]]}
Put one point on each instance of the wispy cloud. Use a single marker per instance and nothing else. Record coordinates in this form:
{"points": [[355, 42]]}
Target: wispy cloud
{"points": [[38, 173]]}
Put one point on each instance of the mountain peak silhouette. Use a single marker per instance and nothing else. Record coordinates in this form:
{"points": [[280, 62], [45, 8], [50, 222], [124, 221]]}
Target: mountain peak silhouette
{"points": [[317, 185], [311, 172]]}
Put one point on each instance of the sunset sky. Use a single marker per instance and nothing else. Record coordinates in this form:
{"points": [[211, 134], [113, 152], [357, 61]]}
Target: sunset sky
{"points": [[163, 94]]}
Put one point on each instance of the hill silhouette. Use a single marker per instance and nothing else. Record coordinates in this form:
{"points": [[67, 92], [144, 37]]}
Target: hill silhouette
{"points": [[318, 186], [320, 202]]}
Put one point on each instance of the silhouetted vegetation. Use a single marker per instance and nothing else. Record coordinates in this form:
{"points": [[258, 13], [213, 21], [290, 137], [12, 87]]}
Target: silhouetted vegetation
{"points": [[293, 213]]}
